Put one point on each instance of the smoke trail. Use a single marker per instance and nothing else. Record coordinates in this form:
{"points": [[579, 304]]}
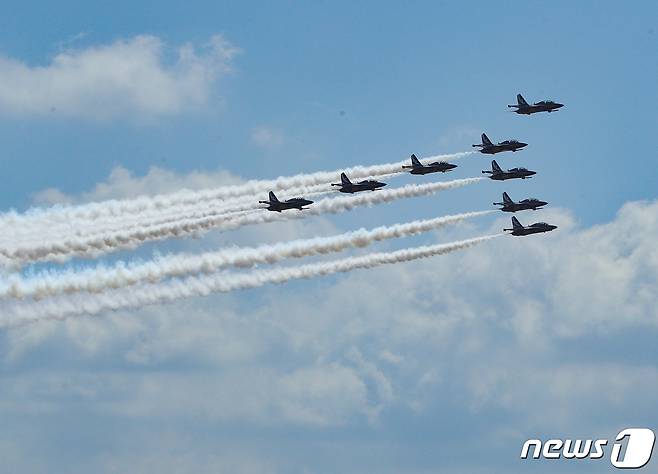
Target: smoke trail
{"points": [[102, 278], [93, 245], [118, 208], [63, 307], [35, 230]]}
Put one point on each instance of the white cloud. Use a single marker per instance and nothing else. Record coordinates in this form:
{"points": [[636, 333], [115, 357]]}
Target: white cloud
{"points": [[316, 396], [267, 137], [123, 184], [171, 453], [483, 336], [563, 396], [126, 78]]}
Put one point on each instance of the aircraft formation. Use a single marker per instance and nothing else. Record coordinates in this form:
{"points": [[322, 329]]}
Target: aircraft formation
{"points": [[496, 173], [60, 234]]}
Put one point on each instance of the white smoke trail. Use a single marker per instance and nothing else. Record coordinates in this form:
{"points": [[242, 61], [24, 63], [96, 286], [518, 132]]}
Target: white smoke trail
{"points": [[119, 208], [93, 245], [102, 278], [36, 230], [62, 307]]}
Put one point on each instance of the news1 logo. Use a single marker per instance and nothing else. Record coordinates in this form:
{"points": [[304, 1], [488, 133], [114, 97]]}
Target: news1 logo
{"points": [[632, 448]]}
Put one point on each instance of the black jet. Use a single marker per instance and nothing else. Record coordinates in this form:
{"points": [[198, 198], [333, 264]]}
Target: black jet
{"points": [[492, 148], [523, 108], [348, 186], [511, 206], [536, 228], [275, 205], [499, 175], [437, 167]]}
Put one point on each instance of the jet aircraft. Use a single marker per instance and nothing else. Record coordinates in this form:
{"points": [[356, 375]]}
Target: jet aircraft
{"points": [[510, 206], [437, 167], [523, 108], [273, 204], [498, 174], [536, 228], [492, 148], [348, 186]]}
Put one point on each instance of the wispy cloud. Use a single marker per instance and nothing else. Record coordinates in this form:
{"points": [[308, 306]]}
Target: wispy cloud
{"points": [[267, 137], [131, 77], [330, 358], [122, 183]]}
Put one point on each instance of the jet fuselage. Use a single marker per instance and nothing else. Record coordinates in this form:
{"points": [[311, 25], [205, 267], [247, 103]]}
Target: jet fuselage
{"points": [[369, 185], [526, 204], [537, 228], [514, 173], [436, 167], [507, 145], [295, 203], [538, 107]]}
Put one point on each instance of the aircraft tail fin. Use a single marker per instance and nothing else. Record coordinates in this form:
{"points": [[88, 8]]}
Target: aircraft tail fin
{"points": [[516, 224], [495, 167], [415, 161], [507, 199], [520, 100], [485, 140], [345, 180], [273, 197]]}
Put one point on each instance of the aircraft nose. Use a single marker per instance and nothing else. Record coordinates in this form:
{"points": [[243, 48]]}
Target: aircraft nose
{"points": [[559, 105], [521, 145], [542, 203]]}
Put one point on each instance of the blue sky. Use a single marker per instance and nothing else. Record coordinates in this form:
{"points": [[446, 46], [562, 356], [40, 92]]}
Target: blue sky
{"points": [[386, 370], [417, 78]]}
